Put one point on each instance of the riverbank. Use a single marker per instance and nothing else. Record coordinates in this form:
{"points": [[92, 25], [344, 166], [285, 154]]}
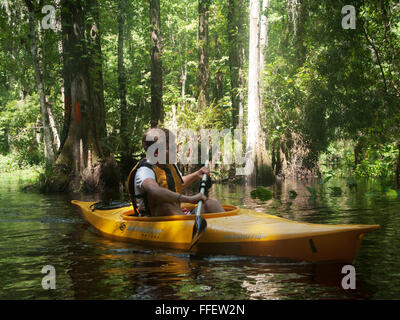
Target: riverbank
{"points": [[42, 179], [29, 175]]}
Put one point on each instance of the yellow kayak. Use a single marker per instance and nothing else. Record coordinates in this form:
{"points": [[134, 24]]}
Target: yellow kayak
{"points": [[236, 232]]}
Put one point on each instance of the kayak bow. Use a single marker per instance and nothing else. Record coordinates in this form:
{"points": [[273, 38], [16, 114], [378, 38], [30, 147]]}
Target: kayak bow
{"points": [[235, 231]]}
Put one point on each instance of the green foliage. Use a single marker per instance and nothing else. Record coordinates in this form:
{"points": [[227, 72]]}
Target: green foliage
{"points": [[326, 92], [261, 193], [18, 127], [326, 85], [325, 180], [351, 183], [52, 179], [378, 161], [292, 194], [313, 192], [336, 191], [391, 194]]}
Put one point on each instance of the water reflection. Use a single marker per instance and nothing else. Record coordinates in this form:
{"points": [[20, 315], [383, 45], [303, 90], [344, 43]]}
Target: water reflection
{"points": [[36, 230]]}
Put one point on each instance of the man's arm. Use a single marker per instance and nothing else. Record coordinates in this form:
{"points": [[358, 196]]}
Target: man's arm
{"points": [[160, 195], [192, 177]]}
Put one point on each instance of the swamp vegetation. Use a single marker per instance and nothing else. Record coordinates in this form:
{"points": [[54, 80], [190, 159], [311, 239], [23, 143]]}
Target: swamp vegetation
{"points": [[80, 82]]}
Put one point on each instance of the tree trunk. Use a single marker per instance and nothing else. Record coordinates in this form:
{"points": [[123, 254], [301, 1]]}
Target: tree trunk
{"points": [[218, 93], [398, 165], [82, 156], [156, 108], [184, 67], [122, 82], [203, 45], [236, 57], [258, 166], [56, 138], [37, 131], [7, 9], [66, 103], [263, 35], [39, 82], [253, 79], [263, 46], [183, 81], [392, 53], [95, 76], [300, 33]]}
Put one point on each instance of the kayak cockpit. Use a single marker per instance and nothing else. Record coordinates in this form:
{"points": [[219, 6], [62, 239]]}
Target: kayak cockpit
{"points": [[229, 211]]}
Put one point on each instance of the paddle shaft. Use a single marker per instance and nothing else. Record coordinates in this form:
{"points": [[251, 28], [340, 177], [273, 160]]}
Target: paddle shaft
{"points": [[200, 224], [202, 190]]}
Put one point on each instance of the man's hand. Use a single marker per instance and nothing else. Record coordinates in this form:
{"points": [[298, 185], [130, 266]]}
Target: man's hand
{"points": [[194, 176], [195, 199], [201, 171]]}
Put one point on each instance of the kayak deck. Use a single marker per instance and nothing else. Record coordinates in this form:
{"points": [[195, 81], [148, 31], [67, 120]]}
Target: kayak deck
{"points": [[236, 231]]}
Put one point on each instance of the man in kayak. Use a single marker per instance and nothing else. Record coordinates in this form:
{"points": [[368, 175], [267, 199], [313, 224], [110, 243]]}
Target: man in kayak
{"points": [[156, 189]]}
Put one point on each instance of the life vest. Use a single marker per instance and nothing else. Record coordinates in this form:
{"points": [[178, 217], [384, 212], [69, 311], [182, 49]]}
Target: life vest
{"points": [[166, 177]]}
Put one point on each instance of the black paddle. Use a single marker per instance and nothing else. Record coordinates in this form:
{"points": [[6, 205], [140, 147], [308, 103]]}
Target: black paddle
{"points": [[200, 224]]}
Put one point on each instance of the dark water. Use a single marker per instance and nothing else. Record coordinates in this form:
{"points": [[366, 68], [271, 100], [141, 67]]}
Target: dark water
{"points": [[38, 230]]}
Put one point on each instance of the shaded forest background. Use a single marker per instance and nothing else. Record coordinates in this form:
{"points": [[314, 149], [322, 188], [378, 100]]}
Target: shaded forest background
{"points": [[76, 99]]}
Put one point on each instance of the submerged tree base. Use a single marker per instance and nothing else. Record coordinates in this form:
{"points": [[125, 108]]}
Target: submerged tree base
{"points": [[103, 178], [53, 179]]}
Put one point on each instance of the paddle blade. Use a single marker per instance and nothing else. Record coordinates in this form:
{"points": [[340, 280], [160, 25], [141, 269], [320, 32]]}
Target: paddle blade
{"points": [[199, 228]]}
